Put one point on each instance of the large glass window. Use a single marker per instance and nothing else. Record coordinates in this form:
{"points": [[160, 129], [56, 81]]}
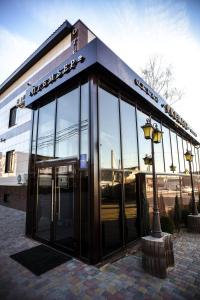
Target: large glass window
{"points": [[34, 134], [185, 148], [45, 145], [67, 126], [129, 136], [130, 164], [144, 145], [111, 210], [194, 160], [109, 130], [111, 178], [84, 152], [185, 190], [84, 213], [158, 149], [167, 149], [168, 188], [130, 206], [84, 125], [181, 154], [198, 160], [175, 152]]}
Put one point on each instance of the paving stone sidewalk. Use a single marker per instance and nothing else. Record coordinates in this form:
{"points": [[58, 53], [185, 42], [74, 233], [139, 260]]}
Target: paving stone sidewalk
{"points": [[123, 279]]}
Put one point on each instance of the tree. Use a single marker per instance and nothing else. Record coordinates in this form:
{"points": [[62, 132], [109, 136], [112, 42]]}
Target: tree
{"points": [[160, 78]]}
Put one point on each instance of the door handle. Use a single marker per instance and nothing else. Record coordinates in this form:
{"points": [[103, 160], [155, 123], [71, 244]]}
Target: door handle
{"points": [[52, 195]]}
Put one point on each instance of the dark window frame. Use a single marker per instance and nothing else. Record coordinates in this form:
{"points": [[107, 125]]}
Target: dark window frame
{"points": [[12, 117], [9, 163]]}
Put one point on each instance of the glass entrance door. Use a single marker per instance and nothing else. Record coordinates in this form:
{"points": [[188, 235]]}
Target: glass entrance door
{"points": [[64, 206], [55, 204], [45, 186]]}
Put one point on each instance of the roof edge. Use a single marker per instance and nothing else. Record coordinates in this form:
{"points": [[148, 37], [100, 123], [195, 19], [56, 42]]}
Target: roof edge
{"points": [[46, 46]]}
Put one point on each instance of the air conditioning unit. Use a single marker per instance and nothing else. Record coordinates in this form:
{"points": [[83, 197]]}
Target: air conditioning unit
{"points": [[22, 179], [21, 102]]}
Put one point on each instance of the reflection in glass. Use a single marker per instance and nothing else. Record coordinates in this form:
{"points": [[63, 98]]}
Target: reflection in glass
{"points": [[186, 190], [44, 198], [196, 181], [194, 160], [129, 136], [168, 188], [34, 135], [84, 125], [181, 154], [167, 149], [84, 214], [198, 160], [111, 210], [109, 130], [144, 146], [131, 232], [45, 143], [64, 199], [67, 125], [175, 152], [158, 150], [185, 148]]}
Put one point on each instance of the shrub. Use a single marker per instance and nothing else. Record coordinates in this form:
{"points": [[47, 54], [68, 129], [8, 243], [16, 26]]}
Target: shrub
{"points": [[167, 224], [184, 213]]}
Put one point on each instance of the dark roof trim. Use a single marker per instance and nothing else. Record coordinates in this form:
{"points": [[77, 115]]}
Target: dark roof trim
{"points": [[96, 54], [55, 38]]}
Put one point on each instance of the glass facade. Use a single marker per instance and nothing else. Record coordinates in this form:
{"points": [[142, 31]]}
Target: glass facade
{"points": [[46, 128], [61, 134], [118, 136], [144, 146], [181, 154], [129, 136], [131, 166], [167, 149], [84, 142], [34, 132], [111, 177], [84, 182], [168, 189], [61, 131], [109, 130], [174, 152], [158, 149], [67, 125], [89, 188]]}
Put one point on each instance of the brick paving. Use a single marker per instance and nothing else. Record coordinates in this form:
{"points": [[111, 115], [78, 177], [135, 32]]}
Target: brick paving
{"points": [[123, 279]]}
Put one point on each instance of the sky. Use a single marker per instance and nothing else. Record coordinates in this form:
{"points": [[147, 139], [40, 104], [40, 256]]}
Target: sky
{"points": [[134, 30]]}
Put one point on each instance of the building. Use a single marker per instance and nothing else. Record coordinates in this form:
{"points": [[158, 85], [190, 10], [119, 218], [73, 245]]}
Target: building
{"points": [[72, 147]]}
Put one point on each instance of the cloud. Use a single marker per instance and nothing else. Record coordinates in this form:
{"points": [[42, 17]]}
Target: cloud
{"points": [[134, 31], [14, 49]]}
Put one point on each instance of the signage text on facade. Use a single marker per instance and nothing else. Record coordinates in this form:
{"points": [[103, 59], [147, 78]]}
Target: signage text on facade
{"points": [[172, 113], [146, 89], [53, 77]]}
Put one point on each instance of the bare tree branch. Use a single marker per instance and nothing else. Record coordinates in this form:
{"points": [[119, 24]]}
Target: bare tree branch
{"points": [[160, 78]]}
